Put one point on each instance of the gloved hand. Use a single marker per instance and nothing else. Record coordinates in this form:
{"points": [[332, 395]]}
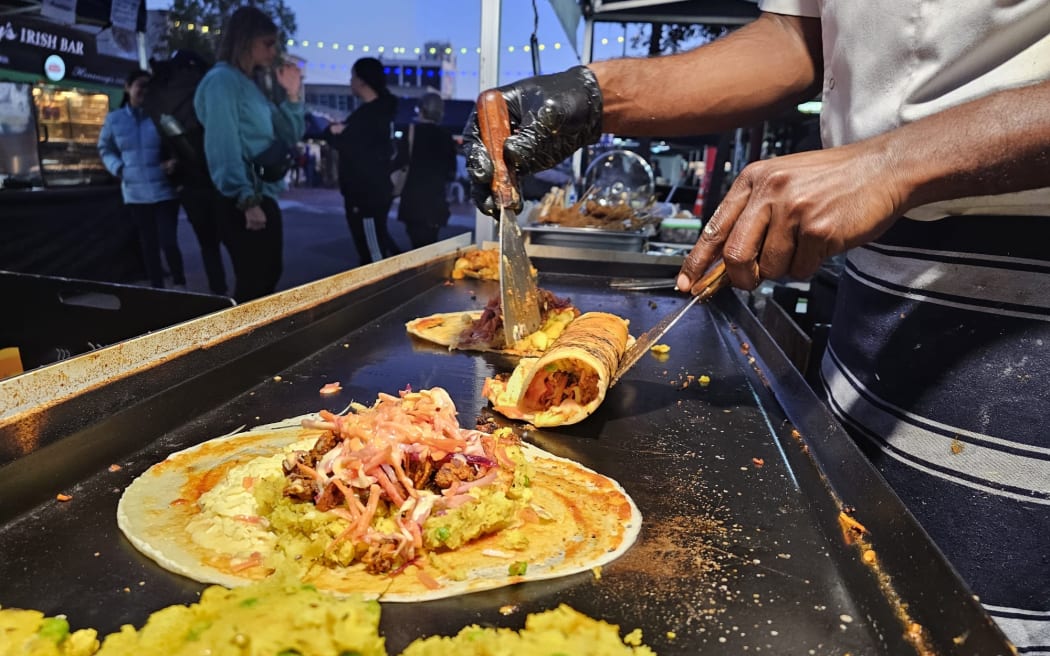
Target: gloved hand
{"points": [[551, 117]]}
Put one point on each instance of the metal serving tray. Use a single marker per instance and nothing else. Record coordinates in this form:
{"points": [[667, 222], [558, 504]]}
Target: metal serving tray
{"points": [[617, 240], [741, 483]]}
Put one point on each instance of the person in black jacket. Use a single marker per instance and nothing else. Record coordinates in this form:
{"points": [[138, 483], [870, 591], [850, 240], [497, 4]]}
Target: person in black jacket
{"points": [[432, 165], [365, 146]]}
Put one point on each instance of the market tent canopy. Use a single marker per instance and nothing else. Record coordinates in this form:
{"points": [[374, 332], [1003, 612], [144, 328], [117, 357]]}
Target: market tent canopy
{"points": [[708, 12]]}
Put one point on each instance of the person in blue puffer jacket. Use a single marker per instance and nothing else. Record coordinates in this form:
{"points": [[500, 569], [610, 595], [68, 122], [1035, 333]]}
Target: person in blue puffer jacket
{"points": [[131, 150], [240, 126]]}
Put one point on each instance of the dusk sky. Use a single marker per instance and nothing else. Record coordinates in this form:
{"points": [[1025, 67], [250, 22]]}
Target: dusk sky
{"points": [[407, 24]]}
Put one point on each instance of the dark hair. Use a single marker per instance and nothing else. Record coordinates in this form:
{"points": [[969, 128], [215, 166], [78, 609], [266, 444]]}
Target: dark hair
{"points": [[129, 80], [431, 107], [244, 26], [370, 70]]}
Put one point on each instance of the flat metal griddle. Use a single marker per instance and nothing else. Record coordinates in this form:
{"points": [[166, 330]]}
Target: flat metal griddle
{"points": [[740, 551]]}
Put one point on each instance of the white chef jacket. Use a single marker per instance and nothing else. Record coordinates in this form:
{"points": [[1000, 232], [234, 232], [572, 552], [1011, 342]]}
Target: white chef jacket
{"points": [[890, 62]]}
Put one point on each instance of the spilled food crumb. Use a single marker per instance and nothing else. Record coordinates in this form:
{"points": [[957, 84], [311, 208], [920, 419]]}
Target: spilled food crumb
{"points": [[63, 497], [331, 388], [660, 348]]}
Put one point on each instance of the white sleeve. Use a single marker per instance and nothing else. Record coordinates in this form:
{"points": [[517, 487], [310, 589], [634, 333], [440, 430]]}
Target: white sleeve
{"points": [[810, 8]]}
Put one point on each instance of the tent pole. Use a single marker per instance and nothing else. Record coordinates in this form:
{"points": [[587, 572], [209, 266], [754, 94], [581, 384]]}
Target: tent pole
{"points": [[488, 77]]}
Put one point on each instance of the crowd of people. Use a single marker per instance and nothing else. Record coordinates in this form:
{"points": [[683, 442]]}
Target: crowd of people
{"points": [[252, 117]]}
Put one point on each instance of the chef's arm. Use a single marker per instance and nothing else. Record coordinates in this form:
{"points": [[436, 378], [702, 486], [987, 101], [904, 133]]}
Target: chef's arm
{"points": [[996, 144], [769, 65]]}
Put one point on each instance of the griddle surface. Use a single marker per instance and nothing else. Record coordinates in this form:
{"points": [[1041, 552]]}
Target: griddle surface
{"points": [[734, 555]]}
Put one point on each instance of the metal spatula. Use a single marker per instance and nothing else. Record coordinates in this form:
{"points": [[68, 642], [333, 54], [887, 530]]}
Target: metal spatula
{"points": [[714, 280], [517, 288]]}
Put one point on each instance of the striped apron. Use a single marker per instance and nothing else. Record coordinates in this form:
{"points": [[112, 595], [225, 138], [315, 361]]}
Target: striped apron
{"points": [[938, 364]]}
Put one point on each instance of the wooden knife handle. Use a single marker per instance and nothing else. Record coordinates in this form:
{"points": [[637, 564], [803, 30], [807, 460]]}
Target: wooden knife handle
{"points": [[712, 281], [494, 123]]}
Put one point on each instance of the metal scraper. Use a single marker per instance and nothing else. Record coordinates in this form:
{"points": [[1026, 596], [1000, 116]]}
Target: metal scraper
{"points": [[519, 296], [714, 280]]}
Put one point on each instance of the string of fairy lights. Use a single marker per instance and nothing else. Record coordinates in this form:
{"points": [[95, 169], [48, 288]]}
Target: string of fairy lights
{"points": [[396, 50]]}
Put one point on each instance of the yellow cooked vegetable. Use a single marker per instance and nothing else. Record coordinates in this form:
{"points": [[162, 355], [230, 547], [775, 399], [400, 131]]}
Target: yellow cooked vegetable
{"points": [[29, 633], [271, 617], [559, 631]]}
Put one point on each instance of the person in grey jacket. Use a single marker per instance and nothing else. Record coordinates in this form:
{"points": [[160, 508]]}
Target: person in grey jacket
{"points": [[131, 150]]}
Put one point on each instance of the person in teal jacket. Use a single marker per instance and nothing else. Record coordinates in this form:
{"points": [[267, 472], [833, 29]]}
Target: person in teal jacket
{"points": [[241, 124], [131, 150]]}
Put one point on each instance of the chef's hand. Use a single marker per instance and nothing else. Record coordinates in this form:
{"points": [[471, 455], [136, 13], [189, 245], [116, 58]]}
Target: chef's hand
{"points": [[551, 117], [254, 218], [784, 216]]}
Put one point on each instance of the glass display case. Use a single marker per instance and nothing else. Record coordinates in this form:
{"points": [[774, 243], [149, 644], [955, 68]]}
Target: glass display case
{"points": [[19, 158], [68, 126]]}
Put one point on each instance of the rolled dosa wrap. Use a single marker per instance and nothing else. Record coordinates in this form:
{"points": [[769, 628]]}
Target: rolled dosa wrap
{"points": [[569, 381]]}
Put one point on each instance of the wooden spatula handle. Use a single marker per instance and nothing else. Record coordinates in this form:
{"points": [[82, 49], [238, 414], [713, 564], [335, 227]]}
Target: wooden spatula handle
{"points": [[494, 123]]}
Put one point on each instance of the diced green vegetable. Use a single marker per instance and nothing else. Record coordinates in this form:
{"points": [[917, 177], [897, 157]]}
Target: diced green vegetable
{"points": [[518, 568], [55, 629], [442, 533], [249, 602]]}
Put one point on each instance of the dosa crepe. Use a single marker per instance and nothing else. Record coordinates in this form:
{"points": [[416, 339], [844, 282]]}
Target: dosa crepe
{"points": [[393, 501]]}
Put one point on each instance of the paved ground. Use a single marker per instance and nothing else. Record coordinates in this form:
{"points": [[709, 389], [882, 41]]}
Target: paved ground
{"points": [[317, 242]]}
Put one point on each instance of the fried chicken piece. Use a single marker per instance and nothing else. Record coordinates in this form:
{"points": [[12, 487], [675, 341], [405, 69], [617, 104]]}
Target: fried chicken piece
{"points": [[453, 472], [381, 556]]}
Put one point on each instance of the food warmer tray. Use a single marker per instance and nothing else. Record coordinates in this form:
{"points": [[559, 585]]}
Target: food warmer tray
{"points": [[569, 237], [742, 483]]}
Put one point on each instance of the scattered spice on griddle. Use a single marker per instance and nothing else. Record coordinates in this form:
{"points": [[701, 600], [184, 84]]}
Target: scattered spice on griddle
{"points": [[957, 446], [277, 379], [63, 497], [127, 589], [671, 635], [508, 609], [115, 468], [795, 434], [852, 530], [142, 583], [704, 380], [759, 462], [331, 388], [97, 554], [346, 346], [745, 348]]}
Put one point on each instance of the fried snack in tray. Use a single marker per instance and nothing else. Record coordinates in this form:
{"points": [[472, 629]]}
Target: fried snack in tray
{"points": [[480, 264], [587, 214]]}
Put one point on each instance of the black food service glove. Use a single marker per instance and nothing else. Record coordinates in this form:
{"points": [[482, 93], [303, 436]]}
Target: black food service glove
{"points": [[551, 117]]}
